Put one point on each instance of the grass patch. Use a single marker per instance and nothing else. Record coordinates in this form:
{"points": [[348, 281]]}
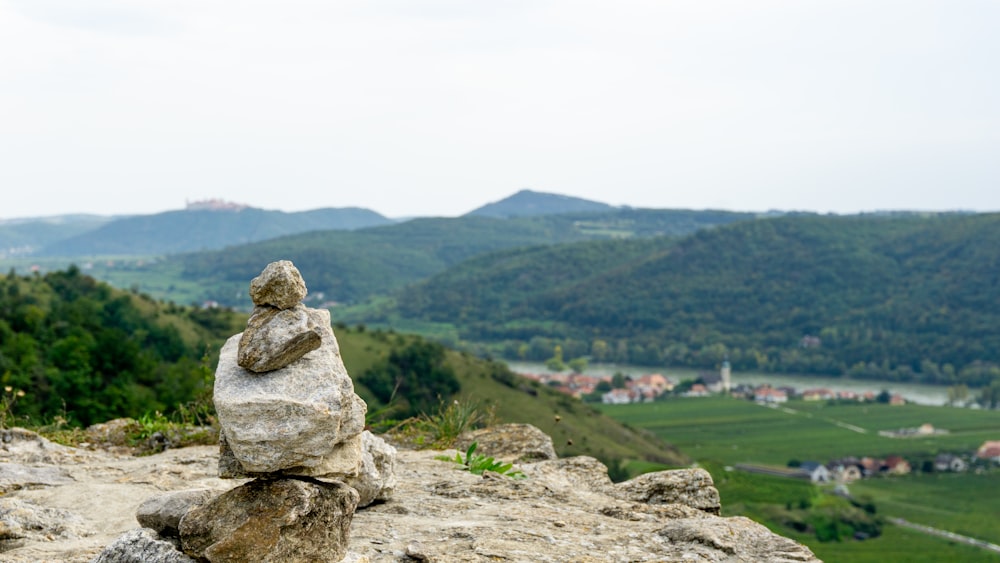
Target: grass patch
{"points": [[440, 429], [963, 503], [897, 544]]}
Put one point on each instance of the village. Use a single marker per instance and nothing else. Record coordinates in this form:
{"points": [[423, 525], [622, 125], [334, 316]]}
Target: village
{"points": [[621, 389]]}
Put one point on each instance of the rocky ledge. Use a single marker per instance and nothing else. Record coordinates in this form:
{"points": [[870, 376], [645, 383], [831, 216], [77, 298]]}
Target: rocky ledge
{"points": [[66, 504]]}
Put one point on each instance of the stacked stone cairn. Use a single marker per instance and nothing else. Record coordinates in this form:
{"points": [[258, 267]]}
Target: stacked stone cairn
{"points": [[291, 422]]}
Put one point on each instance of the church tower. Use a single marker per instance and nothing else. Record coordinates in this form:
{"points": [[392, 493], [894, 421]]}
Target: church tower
{"points": [[726, 377]]}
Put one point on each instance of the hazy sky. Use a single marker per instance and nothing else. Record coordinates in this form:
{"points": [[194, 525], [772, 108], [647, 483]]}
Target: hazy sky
{"points": [[437, 107]]}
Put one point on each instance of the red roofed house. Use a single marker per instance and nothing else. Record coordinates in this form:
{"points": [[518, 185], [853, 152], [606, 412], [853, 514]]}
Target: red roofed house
{"points": [[989, 450], [895, 465]]}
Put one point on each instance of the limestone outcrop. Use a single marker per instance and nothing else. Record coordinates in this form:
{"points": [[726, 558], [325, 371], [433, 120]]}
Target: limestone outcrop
{"points": [[564, 510], [690, 487], [512, 442]]}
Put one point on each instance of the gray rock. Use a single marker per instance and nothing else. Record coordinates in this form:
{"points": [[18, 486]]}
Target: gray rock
{"points": [[163, 512], [510, 442], [229, 466], [377, 479], [25, 520], [279, 285], [113, 433], [26, 446], [303, 419], [141, 546], [690, 487], [15, 476], [271, 521], [275, 337], [735, 539], [579, 473]]}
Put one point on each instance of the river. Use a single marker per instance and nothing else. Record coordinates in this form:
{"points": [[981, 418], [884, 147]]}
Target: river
{"points": [[920, 393]]}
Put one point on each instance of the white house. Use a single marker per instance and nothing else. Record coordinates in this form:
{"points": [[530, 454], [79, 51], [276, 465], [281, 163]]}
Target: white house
{"points": [[817, 472]]}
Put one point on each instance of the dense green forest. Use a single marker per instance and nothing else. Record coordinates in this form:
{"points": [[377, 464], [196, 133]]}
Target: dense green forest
{"points": [[351, 266], [78, 348], [909, 298]]}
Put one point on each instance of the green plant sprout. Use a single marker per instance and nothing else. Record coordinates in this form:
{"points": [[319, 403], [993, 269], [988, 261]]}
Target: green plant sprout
{"points": [[477, 463]]}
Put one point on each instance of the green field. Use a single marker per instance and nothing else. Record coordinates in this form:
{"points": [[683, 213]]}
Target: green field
{"points": [[736, 431], [966, 504], [721, 432], [162, 280]]}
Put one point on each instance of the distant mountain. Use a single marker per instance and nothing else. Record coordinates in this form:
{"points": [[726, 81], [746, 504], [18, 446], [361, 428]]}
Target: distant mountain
{"points": [[197, 229], [352, 266], [904, 298], [527, 203], [24, 237]]}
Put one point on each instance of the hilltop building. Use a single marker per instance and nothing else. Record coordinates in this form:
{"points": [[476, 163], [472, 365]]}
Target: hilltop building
{"points": [[214, 205]]}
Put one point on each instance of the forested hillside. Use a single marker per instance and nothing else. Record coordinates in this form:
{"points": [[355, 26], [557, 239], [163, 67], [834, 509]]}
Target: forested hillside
{"points": [[904, 297], [80, 349], [77, 349], [351, 266], [196, 230]]}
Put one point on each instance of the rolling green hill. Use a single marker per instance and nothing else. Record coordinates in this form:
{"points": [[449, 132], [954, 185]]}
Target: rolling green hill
{"points": [[23, 237], [905, 297], [196, 230], [352, 266]]}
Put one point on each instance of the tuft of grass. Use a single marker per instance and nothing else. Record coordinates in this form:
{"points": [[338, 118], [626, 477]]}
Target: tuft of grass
{"points": [[155, 432], [477, 463], [62, 432], [449, 422], [441, 429]]}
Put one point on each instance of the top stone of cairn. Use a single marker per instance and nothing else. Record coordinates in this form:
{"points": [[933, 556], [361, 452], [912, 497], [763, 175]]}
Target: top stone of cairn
{"points": [[279, 285]]}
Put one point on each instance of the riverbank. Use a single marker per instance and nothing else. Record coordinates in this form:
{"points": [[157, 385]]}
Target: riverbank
{"points": [[919, 393]]}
